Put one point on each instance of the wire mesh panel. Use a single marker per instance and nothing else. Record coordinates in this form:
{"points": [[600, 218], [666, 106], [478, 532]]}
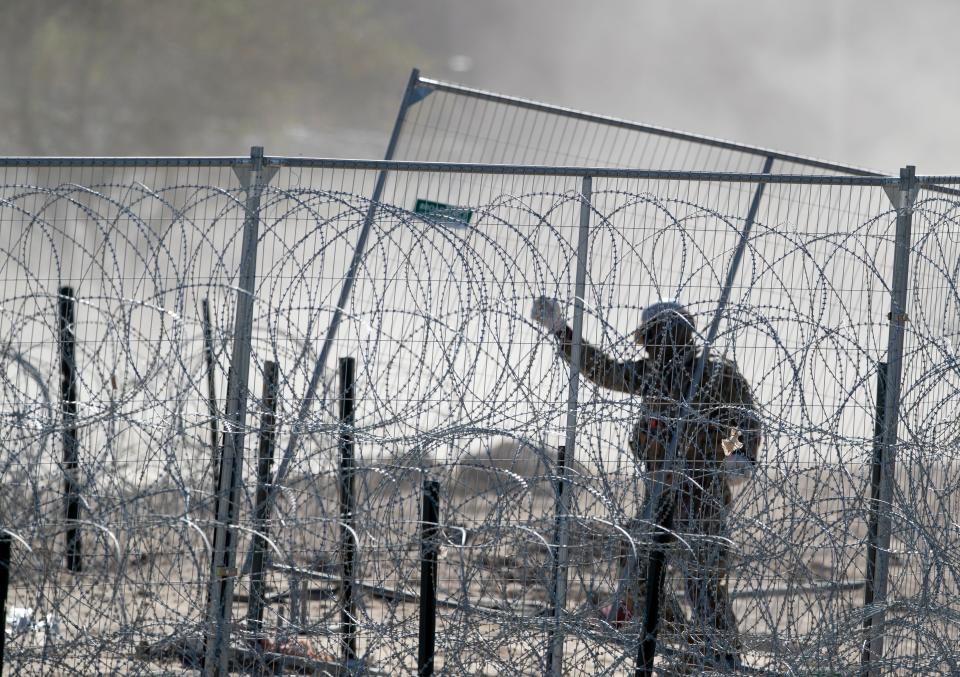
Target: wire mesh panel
{"points": [[922, 628], [456, 378], [445, 367], [447, 122], [131, 252]]}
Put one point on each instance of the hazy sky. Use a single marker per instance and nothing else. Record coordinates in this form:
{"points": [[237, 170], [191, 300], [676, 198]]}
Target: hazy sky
{"points": [[863, 82]]}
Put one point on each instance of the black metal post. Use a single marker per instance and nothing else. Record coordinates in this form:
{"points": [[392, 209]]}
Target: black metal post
{"points": [[211, 381], [268, 427], [4, 584], [429, 552], [654, 592], [561, 482], [66, 313], [876, 473], [555, 568], [212, 408], [348, 616]]}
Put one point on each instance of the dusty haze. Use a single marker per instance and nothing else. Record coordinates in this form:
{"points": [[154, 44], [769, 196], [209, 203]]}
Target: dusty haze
{"points": [[865, 82]]}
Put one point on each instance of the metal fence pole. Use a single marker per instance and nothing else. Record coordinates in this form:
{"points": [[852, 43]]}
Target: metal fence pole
{"points": [[876, 473], [66, 314], [348, 605], [411, 95], [558, 507], [5, 542], [903, 196], [268, 426], [656, 574], [223, 570], [429, 552], [211, 381], [560, 580], [660, 503], [555, 570]]}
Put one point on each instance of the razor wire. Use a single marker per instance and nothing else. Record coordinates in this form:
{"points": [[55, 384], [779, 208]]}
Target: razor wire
{"points": [[455, 382]]}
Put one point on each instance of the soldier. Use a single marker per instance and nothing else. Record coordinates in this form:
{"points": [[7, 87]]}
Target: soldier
{"points": [[721, 438]]}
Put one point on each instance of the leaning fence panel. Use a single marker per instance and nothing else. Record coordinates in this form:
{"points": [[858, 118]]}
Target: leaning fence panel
{"points": [[448, 122], [458, 381]]}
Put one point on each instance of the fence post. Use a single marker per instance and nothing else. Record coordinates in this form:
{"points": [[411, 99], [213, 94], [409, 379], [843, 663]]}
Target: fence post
{"points": [[348, 611], [66, 314], [411, 95], [902, 196], [268, 423], [656, 573], [211, 381], [876, 472], [563, 498], [223, 572], [555, 568], [558, 507], [659, 507], [429, 552], [5, 542]]}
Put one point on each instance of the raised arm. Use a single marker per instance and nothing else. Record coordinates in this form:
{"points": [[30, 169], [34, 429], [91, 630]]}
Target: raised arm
{"points": [[595, 365]]}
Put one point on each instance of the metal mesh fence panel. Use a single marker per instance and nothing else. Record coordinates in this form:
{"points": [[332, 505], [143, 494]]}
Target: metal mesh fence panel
{"points": [[922, 624], [456, 381], [447, 122]]}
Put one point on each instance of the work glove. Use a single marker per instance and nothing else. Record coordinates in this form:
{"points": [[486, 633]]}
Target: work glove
{"points": [[736, 465], [547, 312]]}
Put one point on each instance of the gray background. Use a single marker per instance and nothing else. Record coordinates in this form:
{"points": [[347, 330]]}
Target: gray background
{"points": [[865, 82]]}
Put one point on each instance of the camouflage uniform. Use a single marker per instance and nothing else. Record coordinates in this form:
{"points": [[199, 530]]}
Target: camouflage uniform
{"points": [[722, 404]]}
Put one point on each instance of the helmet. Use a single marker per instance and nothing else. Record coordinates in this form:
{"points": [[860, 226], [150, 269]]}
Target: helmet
{"points": [[667, 309], [666, 325]]}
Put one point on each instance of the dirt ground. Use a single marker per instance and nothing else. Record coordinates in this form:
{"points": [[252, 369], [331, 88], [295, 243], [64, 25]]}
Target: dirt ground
{"points": [[796, 583]]}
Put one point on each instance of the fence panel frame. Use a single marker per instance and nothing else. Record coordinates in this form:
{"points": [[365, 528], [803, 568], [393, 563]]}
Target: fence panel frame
{"points": [[905, 187]]}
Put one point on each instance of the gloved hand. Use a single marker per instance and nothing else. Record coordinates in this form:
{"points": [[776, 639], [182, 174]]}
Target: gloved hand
{"points": [[547, 311], [736, 465]]}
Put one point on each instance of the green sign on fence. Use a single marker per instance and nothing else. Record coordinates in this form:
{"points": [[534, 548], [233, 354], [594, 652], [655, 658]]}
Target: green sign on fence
{"points": [[449, 215]]}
